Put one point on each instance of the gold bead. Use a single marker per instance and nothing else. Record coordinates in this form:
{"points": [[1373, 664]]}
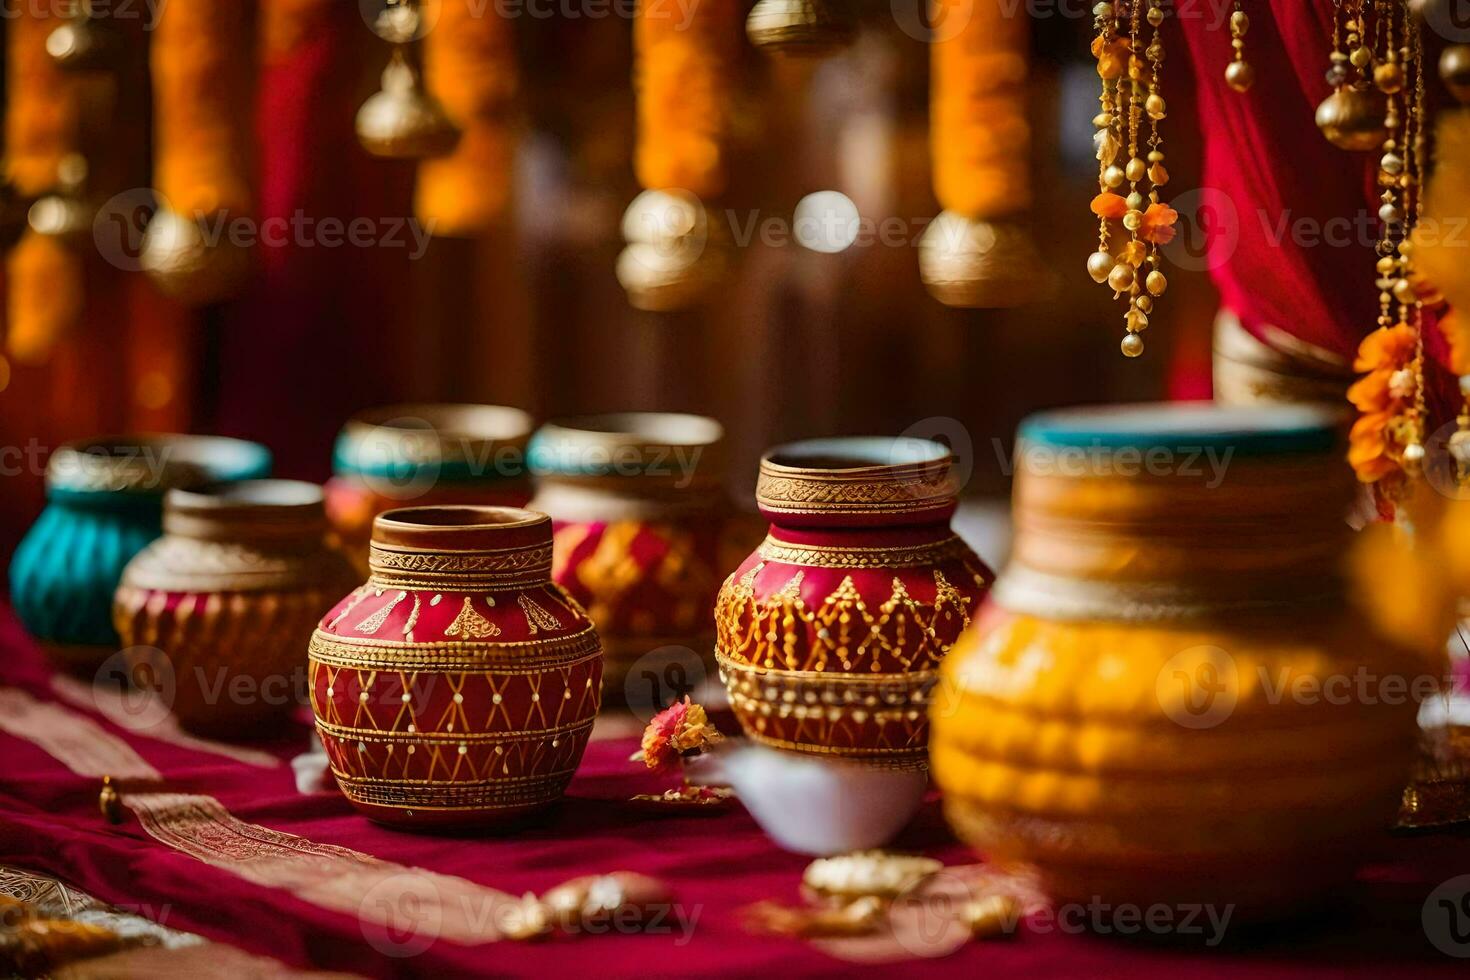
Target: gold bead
{"points": [[1240, 76], [1099, 264], [1389, 77], [1137, 321], [1240, 22], [1132, 345], [1154, 106], [1156, 283], [1113, 176], [1121, 277], [1144, 302], [1155, 16], [1387, 266], [1413, 455], [1403, 291], [1362, 56], [1159, 174], [1133, 220], [1136, 169], [1354, 119], [1134, 201]]}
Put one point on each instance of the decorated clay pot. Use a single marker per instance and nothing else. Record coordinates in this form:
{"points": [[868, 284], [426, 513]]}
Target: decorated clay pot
{"points": [[217, 611], [639, 516], [831, 634], [1161, 702], [424, 456], [457, 687], [104, 503]]}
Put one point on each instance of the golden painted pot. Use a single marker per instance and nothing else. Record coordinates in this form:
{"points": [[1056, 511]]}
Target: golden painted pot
{"points": [[831, 634], [640, 516], [424, 456], [1160, 702], [215, 613], [458, 687]]}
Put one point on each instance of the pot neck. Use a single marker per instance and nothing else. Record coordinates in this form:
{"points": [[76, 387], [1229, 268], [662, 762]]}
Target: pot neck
{"points": [[461, 548]]}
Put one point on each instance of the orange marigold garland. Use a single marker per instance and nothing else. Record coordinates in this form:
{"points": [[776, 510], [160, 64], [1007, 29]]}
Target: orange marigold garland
{"points": [[682, 66], [42, 120], [470, 66], [1130, 52], [974, 254], [203, 113]]}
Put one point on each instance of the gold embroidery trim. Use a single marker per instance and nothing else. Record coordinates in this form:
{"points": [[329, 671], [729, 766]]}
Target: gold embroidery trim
{"points": [[425, 569], [485, 658], [827, 556], [825, 493]]}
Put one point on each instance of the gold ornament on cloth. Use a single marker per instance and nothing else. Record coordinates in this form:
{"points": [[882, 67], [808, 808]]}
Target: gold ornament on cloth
{"points": [[403, 121], [806, 28], [682, 79], [1355, 115], [1239, 75], [976, 254], [1130, 158]]}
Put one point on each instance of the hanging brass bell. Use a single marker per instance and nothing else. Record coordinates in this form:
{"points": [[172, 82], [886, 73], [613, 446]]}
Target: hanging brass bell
{"points": [[1353, 119], [403, 121], [979, 264], [185, 263], [81, 43], [808, 28], [1454, 70], [672, 259]]}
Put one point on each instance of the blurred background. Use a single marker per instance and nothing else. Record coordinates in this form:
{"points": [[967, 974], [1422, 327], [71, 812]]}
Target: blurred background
{"points": [[796, 343]]}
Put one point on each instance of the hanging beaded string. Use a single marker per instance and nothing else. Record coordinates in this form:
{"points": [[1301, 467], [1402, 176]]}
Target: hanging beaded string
{"points": [[1130, 93], [1239, 74]]}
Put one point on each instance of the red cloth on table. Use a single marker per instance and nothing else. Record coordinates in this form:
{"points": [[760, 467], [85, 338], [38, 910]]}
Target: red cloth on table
{"points": [[716, 864]]}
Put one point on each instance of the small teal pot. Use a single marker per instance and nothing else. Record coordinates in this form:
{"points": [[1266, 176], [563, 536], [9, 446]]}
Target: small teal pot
{"points": [[104, 504]]}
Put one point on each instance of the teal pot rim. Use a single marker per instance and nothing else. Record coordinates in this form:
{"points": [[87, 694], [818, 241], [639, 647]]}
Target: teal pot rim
{"points": [[630, 445], [143, 467], [1246, 431], [454, 442]]}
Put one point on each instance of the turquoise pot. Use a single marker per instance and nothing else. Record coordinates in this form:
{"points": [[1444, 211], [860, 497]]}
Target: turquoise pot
{"points": [[104, 504]]}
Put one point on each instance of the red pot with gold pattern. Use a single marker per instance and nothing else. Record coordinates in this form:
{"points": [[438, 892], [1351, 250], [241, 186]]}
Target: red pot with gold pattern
{"points": [[424, 456], [214, 613], [830, 635], [639, 515], [458, 687]]}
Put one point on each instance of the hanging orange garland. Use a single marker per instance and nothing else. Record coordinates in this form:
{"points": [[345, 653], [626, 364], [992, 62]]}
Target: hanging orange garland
{"points": [[980, 140], [682, 65], [203, 114], [45, 289], [470, 67]]}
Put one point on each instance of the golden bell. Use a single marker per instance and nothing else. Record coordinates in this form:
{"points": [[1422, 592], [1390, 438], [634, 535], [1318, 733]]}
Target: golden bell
{"points": [[402, 121], [671, 261], [1454, 70], [182, 261], [809, 28], [79, 43], [1353, 119], [979, 264]]}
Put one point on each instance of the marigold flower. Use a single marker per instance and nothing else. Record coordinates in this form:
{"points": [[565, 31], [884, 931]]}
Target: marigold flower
{"points": [[1109, 205], [681, 729], [1158, 224]]}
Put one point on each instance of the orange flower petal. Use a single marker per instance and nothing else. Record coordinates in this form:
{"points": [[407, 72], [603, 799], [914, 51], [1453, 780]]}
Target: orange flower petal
{"points": [[1109, 205], [1370, 392], [1386, 347]]}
